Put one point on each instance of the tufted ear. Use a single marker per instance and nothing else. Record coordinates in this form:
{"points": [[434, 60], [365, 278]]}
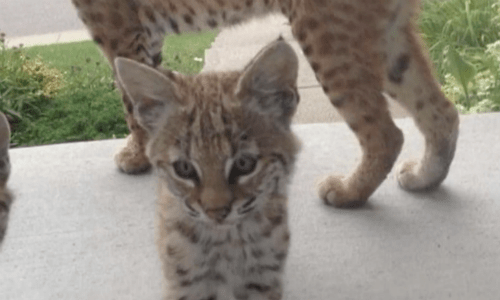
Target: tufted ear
{"points": [[152, 93], [268, 85]]}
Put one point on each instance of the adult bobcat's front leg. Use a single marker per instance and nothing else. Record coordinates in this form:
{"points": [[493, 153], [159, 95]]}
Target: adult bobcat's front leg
{"points": [[132, 157], [118, 28], [410, 80]]}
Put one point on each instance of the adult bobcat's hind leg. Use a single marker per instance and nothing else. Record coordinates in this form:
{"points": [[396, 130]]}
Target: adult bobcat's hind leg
{"points": [[346, 57], [410, 80]]}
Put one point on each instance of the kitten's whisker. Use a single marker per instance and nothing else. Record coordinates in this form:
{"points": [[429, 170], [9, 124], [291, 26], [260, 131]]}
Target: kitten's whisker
{"points": [[193, 212], [246, 207], [249, 202]]}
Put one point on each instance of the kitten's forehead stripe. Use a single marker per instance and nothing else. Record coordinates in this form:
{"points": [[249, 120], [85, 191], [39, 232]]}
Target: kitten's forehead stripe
{"points": [[207, 124]]}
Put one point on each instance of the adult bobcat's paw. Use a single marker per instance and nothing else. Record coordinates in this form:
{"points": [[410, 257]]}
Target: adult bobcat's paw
{"points": [[131, 159], [334, 192], [430, 172], [413, 176]]}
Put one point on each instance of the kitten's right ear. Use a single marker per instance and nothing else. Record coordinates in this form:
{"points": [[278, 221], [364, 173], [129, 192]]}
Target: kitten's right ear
{"points": [[152, 93]]}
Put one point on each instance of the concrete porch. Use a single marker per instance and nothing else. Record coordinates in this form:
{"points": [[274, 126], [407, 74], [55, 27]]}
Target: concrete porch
{"points": [[79, 229]]}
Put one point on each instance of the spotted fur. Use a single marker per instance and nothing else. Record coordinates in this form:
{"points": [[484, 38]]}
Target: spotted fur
{"points": [[5, 195], [358, 49], [223, 149]]}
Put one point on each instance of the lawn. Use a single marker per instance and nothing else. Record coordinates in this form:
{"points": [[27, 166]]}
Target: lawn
{"points": [[63, 93], [179, 54]]}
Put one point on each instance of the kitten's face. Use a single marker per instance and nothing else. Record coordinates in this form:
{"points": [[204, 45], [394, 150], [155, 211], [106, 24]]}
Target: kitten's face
{"points": [[222, 141], [221, 162]]}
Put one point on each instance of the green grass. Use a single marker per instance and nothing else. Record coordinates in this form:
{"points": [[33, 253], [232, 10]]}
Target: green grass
{"points": [[65, 92], [185, 53], [180, 53]]}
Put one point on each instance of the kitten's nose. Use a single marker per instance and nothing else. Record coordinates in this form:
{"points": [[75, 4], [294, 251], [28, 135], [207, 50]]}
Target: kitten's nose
{"points": [[218, 214]]}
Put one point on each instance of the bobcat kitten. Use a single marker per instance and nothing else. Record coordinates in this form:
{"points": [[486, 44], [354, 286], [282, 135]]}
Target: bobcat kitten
{"points": [[5, 196], [223, 149]]}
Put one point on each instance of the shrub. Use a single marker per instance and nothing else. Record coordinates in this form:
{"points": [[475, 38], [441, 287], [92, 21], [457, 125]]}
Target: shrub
{"points": [[27, 85], [463, 38]]}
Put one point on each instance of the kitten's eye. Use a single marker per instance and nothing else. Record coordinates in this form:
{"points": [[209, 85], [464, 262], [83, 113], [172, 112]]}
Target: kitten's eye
{"points": [[185, 170], [245, 164], [242, 166]]}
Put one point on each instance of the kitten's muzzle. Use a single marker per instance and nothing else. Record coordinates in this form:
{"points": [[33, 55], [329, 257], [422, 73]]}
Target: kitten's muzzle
{"points": [[218, 214]]}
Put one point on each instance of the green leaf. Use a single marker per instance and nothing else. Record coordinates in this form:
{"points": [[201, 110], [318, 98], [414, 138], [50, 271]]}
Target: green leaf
{"points": [[461, 69]]}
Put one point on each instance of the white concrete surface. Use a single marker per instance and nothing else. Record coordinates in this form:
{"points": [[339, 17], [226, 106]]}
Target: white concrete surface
{"points": [[35, 17], [48, 38], [81, 230]]}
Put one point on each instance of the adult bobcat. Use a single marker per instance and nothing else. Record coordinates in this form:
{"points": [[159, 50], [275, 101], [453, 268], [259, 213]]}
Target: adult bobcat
{"points": [[358, 50], [222, 146], [5, 196]]}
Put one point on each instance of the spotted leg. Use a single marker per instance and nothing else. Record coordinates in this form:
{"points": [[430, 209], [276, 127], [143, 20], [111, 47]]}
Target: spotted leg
{"points": [[411, 82], [118, 29]]}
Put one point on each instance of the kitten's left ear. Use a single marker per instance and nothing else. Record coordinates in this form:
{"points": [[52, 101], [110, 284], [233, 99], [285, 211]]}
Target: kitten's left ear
{"points": [[152, 93], [268, 84]]}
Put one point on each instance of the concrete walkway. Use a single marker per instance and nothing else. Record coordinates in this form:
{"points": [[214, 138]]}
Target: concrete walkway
{"points": [[48, 38], [81, 230]]}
